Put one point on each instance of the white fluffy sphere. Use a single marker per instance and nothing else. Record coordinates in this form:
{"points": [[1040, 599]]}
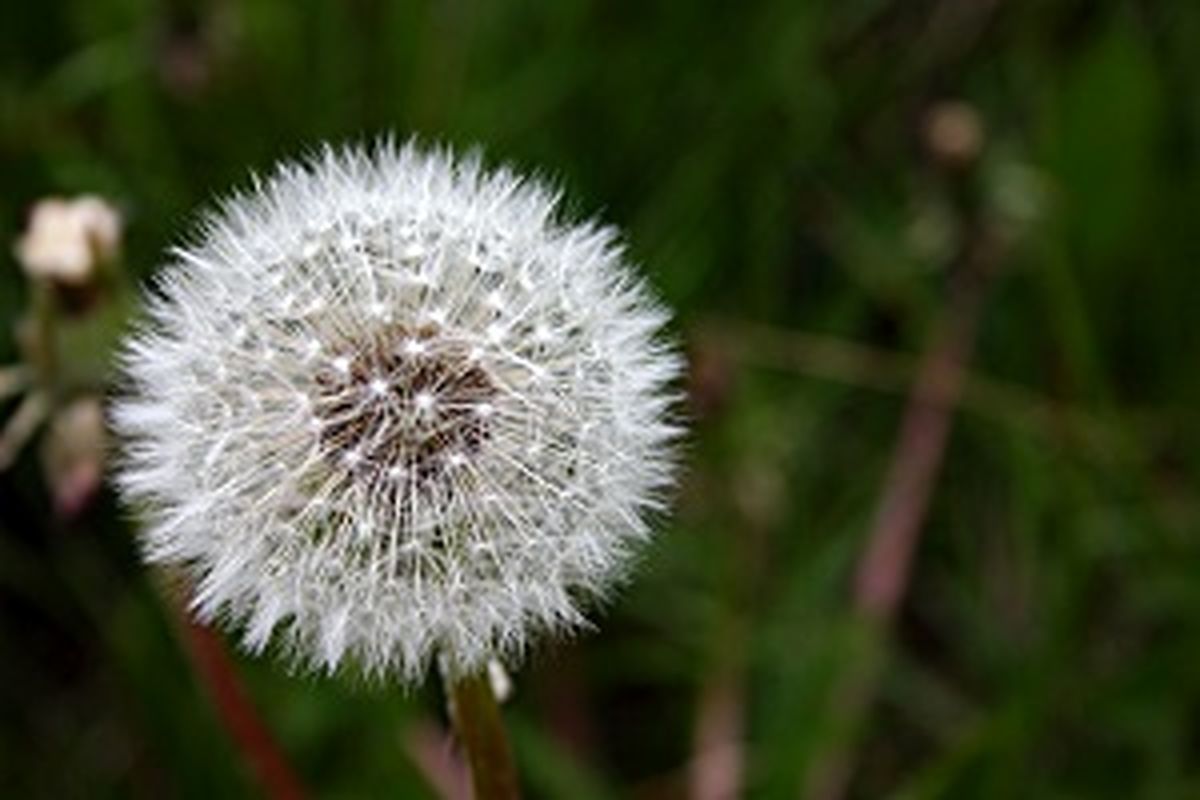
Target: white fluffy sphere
{"points": [[390, 406]]}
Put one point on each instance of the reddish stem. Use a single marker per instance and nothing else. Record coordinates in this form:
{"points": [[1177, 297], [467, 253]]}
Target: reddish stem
{"points": [[718, 765], [883, 572], [428, 745], [882, 577], [216, 671]]}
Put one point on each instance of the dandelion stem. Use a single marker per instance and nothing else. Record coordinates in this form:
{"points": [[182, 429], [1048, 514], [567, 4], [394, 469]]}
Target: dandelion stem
{"points": [[481, 733], [43, 344]]}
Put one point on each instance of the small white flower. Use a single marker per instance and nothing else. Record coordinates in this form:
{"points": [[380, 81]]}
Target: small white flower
{"points": [[391, 406], [67, 239]]}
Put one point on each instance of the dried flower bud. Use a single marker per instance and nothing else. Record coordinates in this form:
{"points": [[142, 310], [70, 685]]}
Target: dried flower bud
{"points": [[389, 404], [954, 134], [68, 239]]}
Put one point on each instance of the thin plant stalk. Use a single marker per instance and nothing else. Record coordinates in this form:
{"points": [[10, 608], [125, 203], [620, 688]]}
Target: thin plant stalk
{"points": [[251, 735], [480, 730], [883, 572], [217, 673]]}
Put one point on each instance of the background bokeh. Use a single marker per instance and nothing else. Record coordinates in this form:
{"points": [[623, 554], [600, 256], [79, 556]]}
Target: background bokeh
{"points": [[827, 193]]}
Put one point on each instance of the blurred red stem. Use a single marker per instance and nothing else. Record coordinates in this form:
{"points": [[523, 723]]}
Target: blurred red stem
{"points": [[715, 772], [217, 673], [882, 577], [883, 571], [428, 745]]}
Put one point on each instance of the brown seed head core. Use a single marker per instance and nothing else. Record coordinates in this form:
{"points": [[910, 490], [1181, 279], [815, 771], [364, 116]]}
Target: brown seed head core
{"points": [[402, 404]]}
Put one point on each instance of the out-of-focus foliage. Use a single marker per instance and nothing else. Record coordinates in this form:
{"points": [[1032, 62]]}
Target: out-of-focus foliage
{"points": [[769, 162]]}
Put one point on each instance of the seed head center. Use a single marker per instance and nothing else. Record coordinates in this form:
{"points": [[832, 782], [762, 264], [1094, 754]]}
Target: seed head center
{"points": [[402, 404]]}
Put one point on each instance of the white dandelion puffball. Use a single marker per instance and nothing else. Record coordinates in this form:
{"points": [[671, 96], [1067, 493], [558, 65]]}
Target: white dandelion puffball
{"points": [[388, 406]]}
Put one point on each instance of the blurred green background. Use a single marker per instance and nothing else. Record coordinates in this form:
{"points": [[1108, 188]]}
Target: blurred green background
{"points": [[810, 185]]}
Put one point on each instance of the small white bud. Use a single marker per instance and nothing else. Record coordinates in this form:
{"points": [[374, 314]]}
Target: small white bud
{"points": [[68, 239], [498, 677]]}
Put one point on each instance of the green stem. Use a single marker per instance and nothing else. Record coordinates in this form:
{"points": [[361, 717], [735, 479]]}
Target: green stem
{"points": [[43, 341], [481, 732]]}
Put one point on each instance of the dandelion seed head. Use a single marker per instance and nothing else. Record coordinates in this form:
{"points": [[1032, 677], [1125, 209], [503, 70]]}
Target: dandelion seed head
{"points": [[390, 406]]}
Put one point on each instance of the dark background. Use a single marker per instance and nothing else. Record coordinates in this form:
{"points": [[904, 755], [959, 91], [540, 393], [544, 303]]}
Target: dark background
{"points": [[783, 171]]}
